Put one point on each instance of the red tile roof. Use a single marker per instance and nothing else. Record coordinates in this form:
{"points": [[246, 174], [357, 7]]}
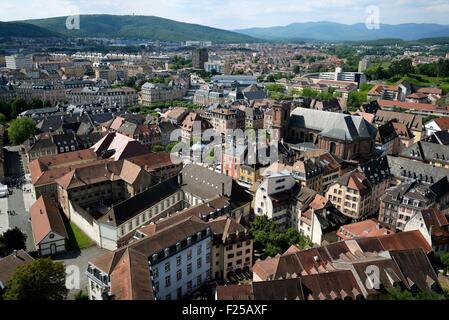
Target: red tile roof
{"points": [[411, 106], [363, 229], [443, 123], [46, 218]]}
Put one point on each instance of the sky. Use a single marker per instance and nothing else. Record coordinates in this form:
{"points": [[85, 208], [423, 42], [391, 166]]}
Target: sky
{"points": [[237, 14]]}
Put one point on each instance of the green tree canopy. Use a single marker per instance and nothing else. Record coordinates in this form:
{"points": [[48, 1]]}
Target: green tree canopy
{"points": [[2, 118], [5, 108], [36, 104], [356, 99], [401, 67], [158, 148], [445, 261], [400, 294], [270, 240], [12, 239], [18, 106], [275, 87], [41, 279], [20, 130]]}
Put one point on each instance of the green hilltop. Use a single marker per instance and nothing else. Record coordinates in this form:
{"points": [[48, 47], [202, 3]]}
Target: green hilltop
{"points": [[140, 27], [25, 30]]}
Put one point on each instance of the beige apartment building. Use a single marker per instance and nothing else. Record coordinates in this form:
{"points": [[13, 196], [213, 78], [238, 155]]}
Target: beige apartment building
{"points": [[121, 96], [351, 194], [153, 93], [232, 249], [223, 119]]}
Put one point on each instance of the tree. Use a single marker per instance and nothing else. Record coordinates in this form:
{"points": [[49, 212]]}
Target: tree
{"points": [[270, 240], [309, 93], [47, 104], [356, 99], [2, 118], [36, 104], [81, 296], [400, 294], [20, 130], [401, 67], [158, 148], [5, 108], [276, 91], [270, 78], [18, 106], [170, 146], [445, 261], [13, 239], [41, 279], [296, 69]]}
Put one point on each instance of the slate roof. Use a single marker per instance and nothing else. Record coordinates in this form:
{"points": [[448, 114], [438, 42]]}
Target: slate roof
{"points": [[333, 125], [427, 151], [142, 201], [376, 170], [386, 133], [208, 184], [441, 137], [410, 169]]}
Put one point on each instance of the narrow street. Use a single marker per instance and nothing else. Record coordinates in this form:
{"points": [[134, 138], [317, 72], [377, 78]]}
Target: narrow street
{"points": [[15, 208]]}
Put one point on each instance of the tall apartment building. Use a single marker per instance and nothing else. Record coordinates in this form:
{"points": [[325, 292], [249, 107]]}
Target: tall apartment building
{"points": [[199, 58], [402, 203], [223, 119], [18, 62], [271, 195], [213, 67], [351, 194], [232, 248]]}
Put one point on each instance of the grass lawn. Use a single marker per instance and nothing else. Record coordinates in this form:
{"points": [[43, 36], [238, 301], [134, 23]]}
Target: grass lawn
{"points": [[77, 238], [424, 81]]}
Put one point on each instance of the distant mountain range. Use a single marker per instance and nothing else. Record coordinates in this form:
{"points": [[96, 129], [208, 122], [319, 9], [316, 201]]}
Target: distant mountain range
{"points": [[19, 29], [140, 27], [331, 31], [155, 28]]}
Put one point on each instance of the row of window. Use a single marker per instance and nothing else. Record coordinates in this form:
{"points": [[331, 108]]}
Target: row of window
{"points": [[199, 282], [150, 213], [199, 251]]}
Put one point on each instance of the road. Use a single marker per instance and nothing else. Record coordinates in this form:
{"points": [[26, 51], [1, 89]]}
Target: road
{"points": [[18, 202], [79, 259]]}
